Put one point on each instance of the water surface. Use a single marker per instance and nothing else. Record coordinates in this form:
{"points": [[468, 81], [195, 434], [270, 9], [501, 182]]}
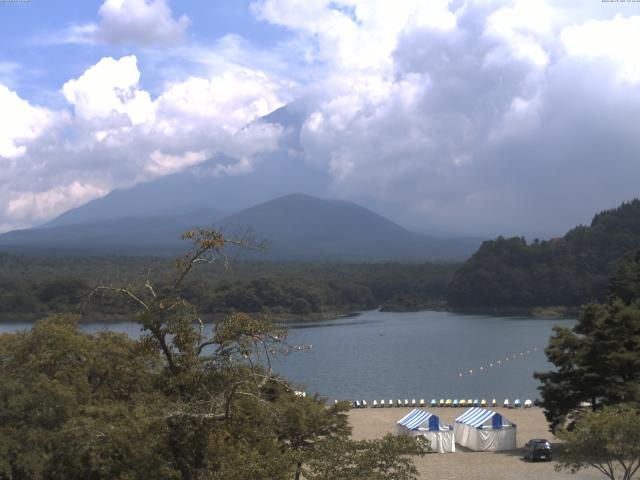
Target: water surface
{"points": [[378, 355]]}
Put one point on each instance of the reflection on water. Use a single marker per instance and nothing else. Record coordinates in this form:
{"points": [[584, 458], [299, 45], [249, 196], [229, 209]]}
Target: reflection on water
{"points": [[378, 355]]}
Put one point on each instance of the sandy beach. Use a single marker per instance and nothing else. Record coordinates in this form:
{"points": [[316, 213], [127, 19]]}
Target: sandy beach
{"points": [[464, 464]]}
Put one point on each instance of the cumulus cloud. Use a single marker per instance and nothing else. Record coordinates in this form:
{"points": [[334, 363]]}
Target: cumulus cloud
{"points": [[20, 123], [456, 116], [110, 87], [479, 121], [145, 23], [116, 134], [140, 22]]}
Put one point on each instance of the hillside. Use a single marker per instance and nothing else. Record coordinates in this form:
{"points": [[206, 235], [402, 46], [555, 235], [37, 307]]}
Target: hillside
{"points": [[572, 270], [302, 227], [157, 235], [296, 227]]}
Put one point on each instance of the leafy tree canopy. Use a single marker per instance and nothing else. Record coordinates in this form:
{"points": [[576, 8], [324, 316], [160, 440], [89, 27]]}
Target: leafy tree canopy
{"points": [[598, 360], [570, 271], [607, 440], [177, 404]]}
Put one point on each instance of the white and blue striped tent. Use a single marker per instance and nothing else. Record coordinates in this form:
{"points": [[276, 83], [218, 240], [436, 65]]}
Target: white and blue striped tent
{"points": [[484, 430], [425, 424]]}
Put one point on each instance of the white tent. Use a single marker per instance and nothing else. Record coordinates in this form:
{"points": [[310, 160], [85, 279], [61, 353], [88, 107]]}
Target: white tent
{"points": [[425, 424], [485, 430]]}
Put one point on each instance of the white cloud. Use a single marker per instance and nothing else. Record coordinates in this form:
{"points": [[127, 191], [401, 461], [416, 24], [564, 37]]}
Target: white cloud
{"points": [[20, 123], [163, 164], [144, 23], [611, 41], [45, 204], [488, 101], [110, 87], [140, 22], [230, 101], [442, 108], [118, 135]]}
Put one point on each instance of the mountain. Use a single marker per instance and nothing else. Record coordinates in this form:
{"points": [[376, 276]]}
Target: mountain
{"points": [[302, 227], [206, 185], [296, 227], [155, 235], [570, 271]]}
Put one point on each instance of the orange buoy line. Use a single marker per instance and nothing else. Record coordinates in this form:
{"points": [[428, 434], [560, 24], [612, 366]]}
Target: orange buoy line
{"points": [[493, 364]]}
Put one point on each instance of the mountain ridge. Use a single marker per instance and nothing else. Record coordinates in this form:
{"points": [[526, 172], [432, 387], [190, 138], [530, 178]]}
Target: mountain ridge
{"points": [[297, 227]]}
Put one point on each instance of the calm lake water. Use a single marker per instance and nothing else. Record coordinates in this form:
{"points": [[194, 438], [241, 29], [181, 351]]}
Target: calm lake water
{"points": [[377, 355]]}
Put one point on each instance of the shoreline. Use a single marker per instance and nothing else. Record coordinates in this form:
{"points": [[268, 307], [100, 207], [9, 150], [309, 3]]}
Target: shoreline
{"points": [[286, 318]]}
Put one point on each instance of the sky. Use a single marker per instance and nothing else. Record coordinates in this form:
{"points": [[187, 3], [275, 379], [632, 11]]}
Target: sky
{"points": [[454, 117]]}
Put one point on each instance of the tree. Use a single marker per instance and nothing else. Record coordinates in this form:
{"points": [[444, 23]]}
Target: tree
{"points": [[176, 404], [598, 360], [607, 440], [381, 459]]}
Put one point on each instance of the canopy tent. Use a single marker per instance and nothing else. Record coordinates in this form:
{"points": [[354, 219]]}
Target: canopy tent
{"points": [[484, 430], [425, 424]]}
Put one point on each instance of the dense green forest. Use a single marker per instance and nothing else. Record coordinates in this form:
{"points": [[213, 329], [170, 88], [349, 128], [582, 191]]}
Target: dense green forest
{"points": [[572, 270], [31, 287]]}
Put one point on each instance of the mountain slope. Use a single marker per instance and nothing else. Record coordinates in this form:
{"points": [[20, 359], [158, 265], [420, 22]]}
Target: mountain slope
{"points": [[158, 235], [296, 227], [568, 271], [302, 227], [205, 186]]}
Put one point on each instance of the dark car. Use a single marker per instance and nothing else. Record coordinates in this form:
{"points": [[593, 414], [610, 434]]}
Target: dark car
{"points": [[537, 449]]}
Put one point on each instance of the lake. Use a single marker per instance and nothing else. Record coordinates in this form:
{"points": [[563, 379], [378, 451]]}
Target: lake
{"points": [[377, 355]]}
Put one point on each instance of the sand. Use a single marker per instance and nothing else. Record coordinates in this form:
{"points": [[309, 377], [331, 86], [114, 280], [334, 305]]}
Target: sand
{"points": [[464, 464]]}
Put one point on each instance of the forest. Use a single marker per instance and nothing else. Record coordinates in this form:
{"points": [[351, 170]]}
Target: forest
{"points": [[504, 273], [569, 271], [31, 287]]}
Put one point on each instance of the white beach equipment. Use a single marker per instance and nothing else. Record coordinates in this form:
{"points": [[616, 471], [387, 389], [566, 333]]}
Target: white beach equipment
{"points": [[434, 403], [517, 403], [390, 403], [425, 424], [528, 403], [413, 402], [422, 404], [364, 404], [506, 403], [484, 430], [399, 403], [374, 404]]}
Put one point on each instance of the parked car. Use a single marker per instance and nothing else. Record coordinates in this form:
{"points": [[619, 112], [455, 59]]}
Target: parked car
{"points": [[537, 449]]}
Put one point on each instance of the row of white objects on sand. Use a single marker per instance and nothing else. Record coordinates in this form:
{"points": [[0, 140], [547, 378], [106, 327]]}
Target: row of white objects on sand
{"points": [[453, 403]]}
